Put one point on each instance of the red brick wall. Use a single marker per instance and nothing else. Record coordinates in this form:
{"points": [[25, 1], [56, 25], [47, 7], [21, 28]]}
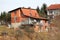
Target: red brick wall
{"points": [[18, 15]]}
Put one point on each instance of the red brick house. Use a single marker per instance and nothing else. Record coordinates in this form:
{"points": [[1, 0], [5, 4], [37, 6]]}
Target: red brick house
{"points": [[21, 16]]}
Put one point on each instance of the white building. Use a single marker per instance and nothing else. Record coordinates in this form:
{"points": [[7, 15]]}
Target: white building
{"points": [[53, 10]]}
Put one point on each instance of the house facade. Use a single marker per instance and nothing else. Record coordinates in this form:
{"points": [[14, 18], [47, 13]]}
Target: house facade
{"points": [[53, 10], [22, 16]]}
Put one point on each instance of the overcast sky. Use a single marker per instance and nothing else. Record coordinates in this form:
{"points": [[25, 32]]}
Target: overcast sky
{"points": [[7, 5]]}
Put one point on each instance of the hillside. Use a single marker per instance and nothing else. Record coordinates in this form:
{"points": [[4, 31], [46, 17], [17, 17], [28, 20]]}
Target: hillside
{"points": [[28, 34], [56, 27], [57, 21]]}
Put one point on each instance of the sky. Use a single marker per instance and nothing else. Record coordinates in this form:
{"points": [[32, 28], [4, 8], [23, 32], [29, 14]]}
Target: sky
{"points": [[7, 5]]}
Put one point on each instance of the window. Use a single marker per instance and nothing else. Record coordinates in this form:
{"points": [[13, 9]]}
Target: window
{"points": [[50, 11], [15, 18]]}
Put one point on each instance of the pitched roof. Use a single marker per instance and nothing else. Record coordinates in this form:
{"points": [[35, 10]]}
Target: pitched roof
{"points": [[53, 6], [30, 12]]}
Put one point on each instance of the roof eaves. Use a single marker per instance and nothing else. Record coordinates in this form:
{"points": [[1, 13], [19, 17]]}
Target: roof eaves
{"points": [[20, 8], [14, 10]]}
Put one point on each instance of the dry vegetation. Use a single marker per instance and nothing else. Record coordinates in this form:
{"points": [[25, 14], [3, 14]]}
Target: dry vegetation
{"points": [[27, 33], [56, 29]]}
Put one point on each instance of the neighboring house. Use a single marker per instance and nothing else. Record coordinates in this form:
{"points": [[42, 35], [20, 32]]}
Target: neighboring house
{"points": [[53, 10], [22, 16]]}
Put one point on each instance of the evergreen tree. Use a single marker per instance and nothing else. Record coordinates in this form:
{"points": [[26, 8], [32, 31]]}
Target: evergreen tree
{"points": [[5, 17], [38, 10], [1, 16], [43, 10], [8, 17]]}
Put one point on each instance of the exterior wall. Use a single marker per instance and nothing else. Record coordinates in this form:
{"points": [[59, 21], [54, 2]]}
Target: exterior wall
{"points": [[57, 12], [17, 14], [20, 18], [29, 21], [36, 29], [48, 12], [15, 25], [45, 26], [26, 21], [41, 28], [54, 12]]}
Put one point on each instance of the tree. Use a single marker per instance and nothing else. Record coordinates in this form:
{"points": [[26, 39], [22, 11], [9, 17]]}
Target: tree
{"points": [[39, 11], [43, 10], [5, 17], [8, 17], [1, 16]]}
